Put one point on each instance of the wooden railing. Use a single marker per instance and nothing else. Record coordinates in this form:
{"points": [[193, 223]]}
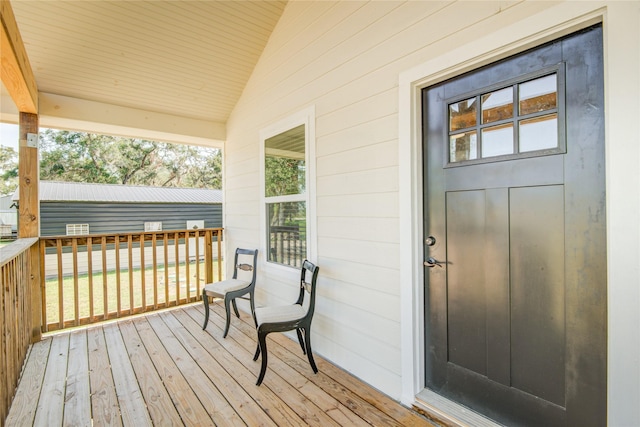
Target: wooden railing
{"points": [[288, 245], [97, 277], [16, 320]]}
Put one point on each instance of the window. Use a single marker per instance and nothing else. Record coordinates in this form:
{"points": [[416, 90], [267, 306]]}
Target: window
{"points": [[153, 226], [77, 229], [286, 179], [195, 224], [520, 119]]}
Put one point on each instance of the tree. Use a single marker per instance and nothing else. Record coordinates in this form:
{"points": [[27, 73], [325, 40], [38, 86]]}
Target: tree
{"points": [[8, 170], [86, 157]]}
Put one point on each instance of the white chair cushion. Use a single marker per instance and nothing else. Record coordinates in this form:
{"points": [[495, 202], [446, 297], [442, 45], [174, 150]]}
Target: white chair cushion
{"points": [[279, 313], [219, 289]]}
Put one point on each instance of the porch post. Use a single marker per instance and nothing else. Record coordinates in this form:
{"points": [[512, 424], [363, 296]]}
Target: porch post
{"points": [[29, 211], [18, 79]]}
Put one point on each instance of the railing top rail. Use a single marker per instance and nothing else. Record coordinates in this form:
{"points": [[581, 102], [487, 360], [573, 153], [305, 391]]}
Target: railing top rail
{"points": [[11, 251], [161, 232]]}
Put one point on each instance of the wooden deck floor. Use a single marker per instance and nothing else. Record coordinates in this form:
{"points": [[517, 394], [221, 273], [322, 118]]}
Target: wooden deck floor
{"points": [[162, 369]]}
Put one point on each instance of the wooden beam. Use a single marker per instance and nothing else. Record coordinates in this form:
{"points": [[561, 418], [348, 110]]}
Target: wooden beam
{"points": [[29, 213], [28, 166], [17, 75]]}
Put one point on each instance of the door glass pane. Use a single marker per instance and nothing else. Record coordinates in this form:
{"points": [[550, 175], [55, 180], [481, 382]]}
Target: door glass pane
{"points": [[284, 163], [463, 114], [539, 133], [538, 95], [287, 233], [497, 140], [463, 146], [497, 105]]}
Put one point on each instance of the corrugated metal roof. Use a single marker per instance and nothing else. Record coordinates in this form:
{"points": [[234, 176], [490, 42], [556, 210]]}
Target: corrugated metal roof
{"points": [[54, 191]]}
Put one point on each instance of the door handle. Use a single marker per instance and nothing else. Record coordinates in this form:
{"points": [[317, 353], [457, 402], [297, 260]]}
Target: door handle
{"points": [[432, 262]]}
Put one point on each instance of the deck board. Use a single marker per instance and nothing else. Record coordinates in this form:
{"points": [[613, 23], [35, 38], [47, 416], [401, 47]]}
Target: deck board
{"points": [[271, 404], [28, 392], [338, 413], [304, 406], [155, 393], [131, 403], [104, 403], [77, 406], [163, 369], [185, 400], [51, 403], [204, 390], [251, 412]]}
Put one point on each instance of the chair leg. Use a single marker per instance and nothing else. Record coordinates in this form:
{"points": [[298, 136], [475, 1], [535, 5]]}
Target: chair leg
{"points": [[228, 318], [262, 345], [257, 354], [300, 340], [253, 309], [307, 340], [235, 307], [205, 299]]}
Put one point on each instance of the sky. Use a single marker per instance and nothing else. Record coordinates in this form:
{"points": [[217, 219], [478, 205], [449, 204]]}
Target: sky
{"points": [[9, 135]]}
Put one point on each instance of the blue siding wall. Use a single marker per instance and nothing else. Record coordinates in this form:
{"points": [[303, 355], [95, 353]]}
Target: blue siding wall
{"points": [[124, 217]]}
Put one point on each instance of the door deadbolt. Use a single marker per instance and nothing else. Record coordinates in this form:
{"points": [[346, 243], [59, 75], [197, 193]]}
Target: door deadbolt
{"points": [[430, 241]]}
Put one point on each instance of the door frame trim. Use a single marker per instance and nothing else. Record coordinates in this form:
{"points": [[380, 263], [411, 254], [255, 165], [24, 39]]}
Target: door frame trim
{"points": [[550, 24]]}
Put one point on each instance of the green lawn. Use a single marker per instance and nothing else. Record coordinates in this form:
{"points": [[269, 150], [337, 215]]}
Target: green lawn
{"points": [[84, 290]]}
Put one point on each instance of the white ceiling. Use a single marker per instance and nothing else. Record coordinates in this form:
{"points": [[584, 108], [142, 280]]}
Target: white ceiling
{"points": [[188, 59]]}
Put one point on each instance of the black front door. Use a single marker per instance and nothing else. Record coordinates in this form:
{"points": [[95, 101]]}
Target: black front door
{"points": [[515, 245]]}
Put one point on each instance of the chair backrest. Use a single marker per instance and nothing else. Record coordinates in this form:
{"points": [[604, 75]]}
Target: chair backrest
{"points": [[247, 265], [308, 286]]}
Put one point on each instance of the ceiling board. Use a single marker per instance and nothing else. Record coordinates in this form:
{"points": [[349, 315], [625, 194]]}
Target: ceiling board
{"points": [[183, 58]]}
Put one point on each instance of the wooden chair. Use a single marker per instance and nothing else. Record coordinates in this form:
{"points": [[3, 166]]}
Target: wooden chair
{"points": [[233, 288], [297, 316]]}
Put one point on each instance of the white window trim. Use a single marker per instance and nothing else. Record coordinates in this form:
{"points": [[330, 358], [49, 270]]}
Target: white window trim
{"points": [[304, 117], [151, 226], [75, 227]]}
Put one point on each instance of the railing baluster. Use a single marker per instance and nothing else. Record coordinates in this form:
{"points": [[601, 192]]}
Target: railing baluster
{"points": [[143, 284], [197, 236], [43, 289], [76, 293], [90, 276], [208, 256], [155, 270], [130, 266], [187, 269], [165, 240], [60, 284], [116, 245], [105, 289], [176, 244], [218, 234]]}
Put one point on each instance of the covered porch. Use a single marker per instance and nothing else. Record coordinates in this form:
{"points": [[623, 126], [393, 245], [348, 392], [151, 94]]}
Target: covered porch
{"points": [[352, 74], [163, 369]]}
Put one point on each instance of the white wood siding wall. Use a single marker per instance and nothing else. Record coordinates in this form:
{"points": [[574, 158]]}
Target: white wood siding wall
{"points": [[345, 58]]}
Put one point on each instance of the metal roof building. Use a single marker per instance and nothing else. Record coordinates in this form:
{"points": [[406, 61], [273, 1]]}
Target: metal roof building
{"points": [[82, 208], [55, 191]]}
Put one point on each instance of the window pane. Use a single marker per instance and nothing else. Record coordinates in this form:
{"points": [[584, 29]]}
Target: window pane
{"points": [[463, 146], [462, 114], [539, 133], [497, 140], [497, 105], [538, 95], [284, 163], [287, 233]]}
